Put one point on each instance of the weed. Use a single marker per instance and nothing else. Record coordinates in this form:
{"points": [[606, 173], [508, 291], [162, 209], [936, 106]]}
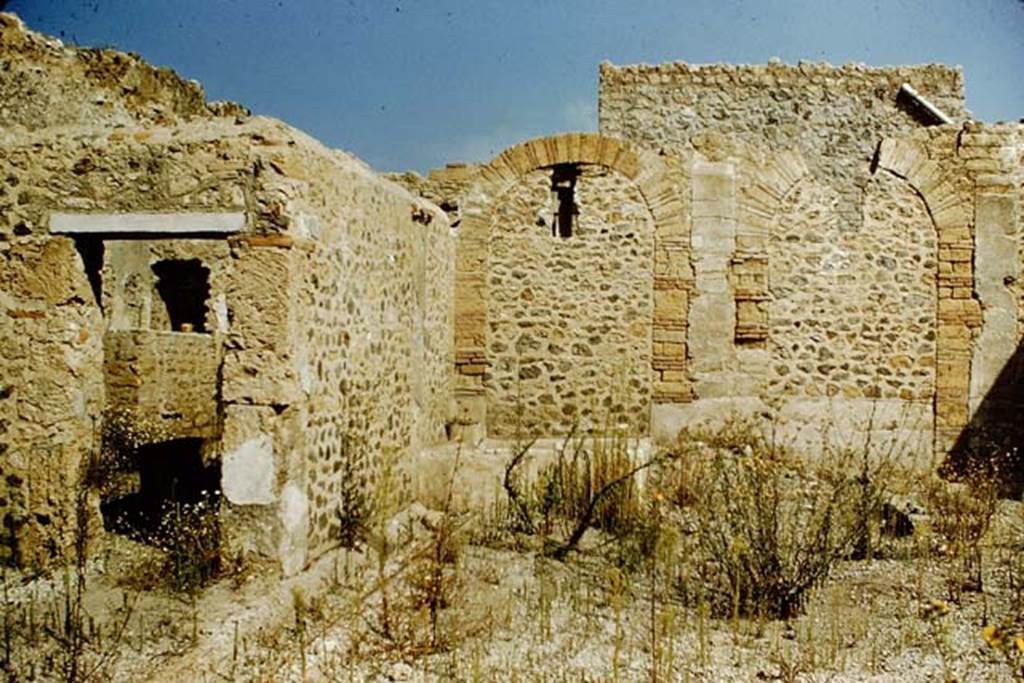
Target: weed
{"points": [[961, 516], [767, 529], [190, 536], [432, 579], [354, 503]]}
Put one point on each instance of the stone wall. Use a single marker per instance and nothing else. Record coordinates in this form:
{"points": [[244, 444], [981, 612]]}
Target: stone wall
{"points": [[818, 273], [562, 323], [853, 314], [569, 335], [834, 116], [377, 337], [51, 392], [332, 311], [162, 385], [993, 160], [45, 84], [791, 239]]}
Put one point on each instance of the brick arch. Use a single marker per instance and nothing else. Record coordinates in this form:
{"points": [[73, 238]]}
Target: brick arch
{"points": [[760, 203], [959, 311], [653, 175]]}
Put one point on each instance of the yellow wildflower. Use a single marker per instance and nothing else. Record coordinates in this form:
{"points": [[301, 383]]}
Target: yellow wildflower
{"points": [[937, 608], [992, 635]]}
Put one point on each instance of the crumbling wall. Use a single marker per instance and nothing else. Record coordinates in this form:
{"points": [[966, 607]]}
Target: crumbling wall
{"points": [[569, 331], [45, 84], [332, 312], [51, 393], [444, 187]]}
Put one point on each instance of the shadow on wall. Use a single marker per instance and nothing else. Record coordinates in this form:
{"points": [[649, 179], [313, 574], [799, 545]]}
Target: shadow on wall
{"points": [[993, 441]]}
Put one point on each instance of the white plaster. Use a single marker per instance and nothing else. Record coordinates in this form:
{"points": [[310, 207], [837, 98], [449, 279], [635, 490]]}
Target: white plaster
{"points": [[159, 223], [220, 310], [306, 378], [898, 429], [79, 403], [712, 314], [248, 473], [294, 516], [667, 420]]}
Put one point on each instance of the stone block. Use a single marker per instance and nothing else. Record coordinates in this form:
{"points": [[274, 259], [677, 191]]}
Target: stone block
{"points": [[51, 272], [257, 376]]}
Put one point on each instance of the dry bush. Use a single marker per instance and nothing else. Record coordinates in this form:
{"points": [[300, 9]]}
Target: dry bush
{"points": [[414, 597], [583, 469], [433, 580], [766, 526], [592, 483], [961, 514]]}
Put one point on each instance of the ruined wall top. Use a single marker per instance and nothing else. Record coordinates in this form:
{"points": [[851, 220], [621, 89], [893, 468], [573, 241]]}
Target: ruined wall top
{"points": [[772, 103], [44, 83]]}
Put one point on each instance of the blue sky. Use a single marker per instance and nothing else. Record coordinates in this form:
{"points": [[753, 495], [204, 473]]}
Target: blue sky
{"points": [[412, 84]]}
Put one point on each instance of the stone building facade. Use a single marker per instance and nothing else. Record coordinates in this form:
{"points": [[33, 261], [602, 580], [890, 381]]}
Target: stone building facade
{"points": [[223, 302], [219, 298], [824, 247]]}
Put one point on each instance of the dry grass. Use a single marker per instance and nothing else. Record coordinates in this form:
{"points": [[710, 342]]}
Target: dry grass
{"points": [[734, 558]]}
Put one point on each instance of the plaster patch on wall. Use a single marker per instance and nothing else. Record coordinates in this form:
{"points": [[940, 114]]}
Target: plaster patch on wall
{"points": [[248, 473], [712, 312], [220, 310], [294, 515], [997, 264]]}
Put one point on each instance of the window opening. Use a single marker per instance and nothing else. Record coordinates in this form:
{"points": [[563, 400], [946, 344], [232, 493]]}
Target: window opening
{"points": [[184, 287], [563, 192], [91, 251]]}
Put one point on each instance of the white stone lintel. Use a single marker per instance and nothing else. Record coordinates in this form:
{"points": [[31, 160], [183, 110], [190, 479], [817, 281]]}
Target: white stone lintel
{"points": [[148, 223]]}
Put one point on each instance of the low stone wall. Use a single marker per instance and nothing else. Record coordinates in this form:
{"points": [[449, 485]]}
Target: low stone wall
{"points": [[162, 385]]}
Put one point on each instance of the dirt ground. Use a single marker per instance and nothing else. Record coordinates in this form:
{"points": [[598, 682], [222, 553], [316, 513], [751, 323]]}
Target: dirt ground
{"points": [[510, 614]]}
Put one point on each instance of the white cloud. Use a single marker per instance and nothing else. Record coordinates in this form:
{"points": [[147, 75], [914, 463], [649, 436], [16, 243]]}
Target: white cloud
{"points": [[580, 115]]}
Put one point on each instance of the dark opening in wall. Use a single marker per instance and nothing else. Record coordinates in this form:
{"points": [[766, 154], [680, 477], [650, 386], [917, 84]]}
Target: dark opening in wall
{"points": [[91, 251], [184, 287], [563, 190], [175, 508]]}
